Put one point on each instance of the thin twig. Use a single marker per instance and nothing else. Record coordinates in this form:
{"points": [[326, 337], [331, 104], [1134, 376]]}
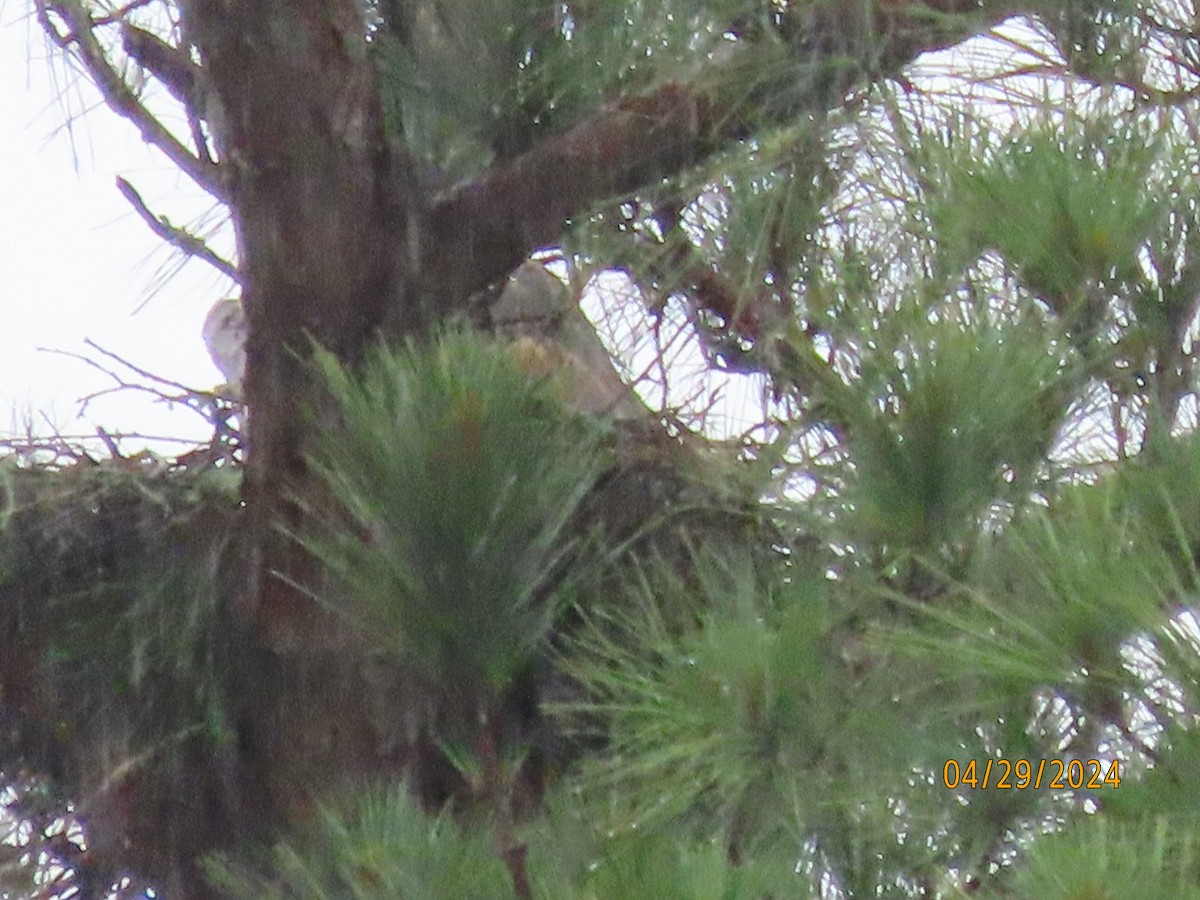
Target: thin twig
{"points": [[158, 379], [120, 14], [177, 237], [183, 400], [23, 443], [201, 402]]}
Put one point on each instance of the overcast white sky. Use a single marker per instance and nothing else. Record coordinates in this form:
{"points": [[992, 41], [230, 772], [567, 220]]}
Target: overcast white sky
{"points": [[76, 262]]}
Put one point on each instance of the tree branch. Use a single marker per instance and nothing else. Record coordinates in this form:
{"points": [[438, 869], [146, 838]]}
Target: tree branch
{"points": [[170, 65], [210, 405], [119, 15], [80, 34], [523, 204], [177, 237]]}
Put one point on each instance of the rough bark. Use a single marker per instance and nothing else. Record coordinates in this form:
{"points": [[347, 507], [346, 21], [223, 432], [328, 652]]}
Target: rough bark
{"points": [[313, 188]]}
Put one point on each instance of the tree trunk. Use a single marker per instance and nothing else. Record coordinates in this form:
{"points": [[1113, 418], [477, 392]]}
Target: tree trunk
{"points": [[321, 218]]}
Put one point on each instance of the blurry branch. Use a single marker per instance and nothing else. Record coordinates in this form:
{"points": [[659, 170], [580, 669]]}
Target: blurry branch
{"points": [[1081, 46], [522, 204], [176, 236], [186, 396], [48, 451], [213, 407], [80, 35], [61, 450], [52, 448], [172, 66], [120, 14]]}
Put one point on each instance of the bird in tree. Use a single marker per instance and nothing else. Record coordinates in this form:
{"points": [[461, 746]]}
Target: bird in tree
{"points": [[552, 338], [224, 334]]}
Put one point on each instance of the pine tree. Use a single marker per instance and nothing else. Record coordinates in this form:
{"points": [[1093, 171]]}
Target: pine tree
{"points": [[458, 629]]}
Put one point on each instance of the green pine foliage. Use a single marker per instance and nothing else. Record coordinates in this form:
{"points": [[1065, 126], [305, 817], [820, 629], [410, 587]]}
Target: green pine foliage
{"points": [[388, 850], [534, 69], [948, 417], [106, 561], [1066, 205], [764, 724], [456, 479], [1104, 860]]}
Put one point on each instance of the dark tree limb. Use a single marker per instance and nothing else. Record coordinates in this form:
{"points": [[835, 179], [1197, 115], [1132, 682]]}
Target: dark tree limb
{"points": [[321, 207], [170, 65], [483, 230]]}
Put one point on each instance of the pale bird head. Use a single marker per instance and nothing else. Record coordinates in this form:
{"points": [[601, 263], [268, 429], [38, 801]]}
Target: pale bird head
{"points": [[224, 334]]}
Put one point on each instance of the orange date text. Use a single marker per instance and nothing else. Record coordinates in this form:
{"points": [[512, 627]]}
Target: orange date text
{"points": [[1021, 774]]}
